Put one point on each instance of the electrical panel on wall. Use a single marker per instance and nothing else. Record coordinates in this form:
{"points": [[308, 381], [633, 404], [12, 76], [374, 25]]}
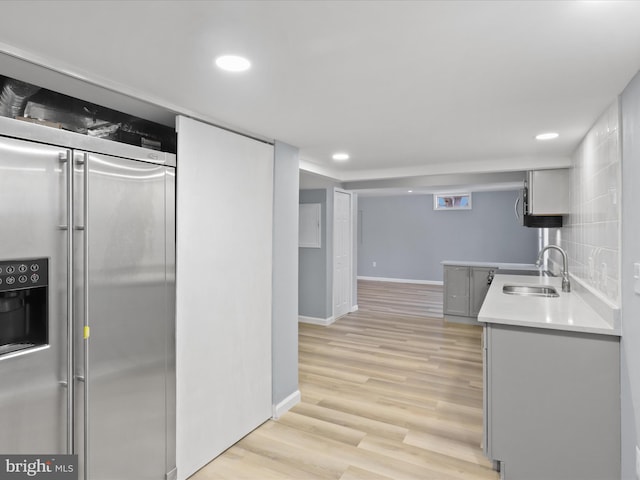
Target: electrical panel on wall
{"points": [[309, 229]]}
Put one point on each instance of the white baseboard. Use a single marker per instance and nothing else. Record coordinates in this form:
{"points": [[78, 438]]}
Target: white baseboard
{"points": [[465, 320], [354, 309], [402, 280], [285, 405], [316, 320]]}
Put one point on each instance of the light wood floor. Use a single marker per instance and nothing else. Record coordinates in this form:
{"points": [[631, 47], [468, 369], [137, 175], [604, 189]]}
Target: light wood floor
{"points": [[388, 392]]}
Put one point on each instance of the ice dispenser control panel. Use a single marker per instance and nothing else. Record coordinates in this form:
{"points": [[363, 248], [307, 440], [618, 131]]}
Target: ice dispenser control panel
{"points": [[19, 274], [24, 310]]}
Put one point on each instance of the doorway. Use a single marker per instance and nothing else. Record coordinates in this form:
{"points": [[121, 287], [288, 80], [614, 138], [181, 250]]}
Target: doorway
{"points": [[342, 252]]}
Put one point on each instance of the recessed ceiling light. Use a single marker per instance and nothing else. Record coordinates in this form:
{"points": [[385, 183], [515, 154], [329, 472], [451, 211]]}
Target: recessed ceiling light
{"points": [[340, 156], [233, 63], [547, 136], [410, 191]]}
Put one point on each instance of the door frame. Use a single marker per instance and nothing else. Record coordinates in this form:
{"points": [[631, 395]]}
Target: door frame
{"points": [[350, 228]]}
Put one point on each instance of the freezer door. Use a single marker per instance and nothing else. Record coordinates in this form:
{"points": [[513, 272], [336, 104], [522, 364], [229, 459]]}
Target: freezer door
{"points": [[129, 308], [33, 396]]}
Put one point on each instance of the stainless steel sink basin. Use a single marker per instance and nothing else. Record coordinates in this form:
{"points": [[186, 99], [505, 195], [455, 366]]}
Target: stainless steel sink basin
{"points": [[530, 290]]}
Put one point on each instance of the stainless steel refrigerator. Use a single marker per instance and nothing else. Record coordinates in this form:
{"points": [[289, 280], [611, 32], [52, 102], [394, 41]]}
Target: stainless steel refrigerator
{"points": [[87, 302]]}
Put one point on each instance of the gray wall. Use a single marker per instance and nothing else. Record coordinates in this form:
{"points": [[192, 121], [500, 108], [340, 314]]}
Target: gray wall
{"points": [[408, 239], [315, 269], [315, 272], [285, 272], [630, 342]]}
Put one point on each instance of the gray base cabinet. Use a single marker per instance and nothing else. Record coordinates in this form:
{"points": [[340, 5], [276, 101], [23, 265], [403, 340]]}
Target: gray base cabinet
{"points": [[479, 283], [456, 291], [552, 403], [464, 290]]}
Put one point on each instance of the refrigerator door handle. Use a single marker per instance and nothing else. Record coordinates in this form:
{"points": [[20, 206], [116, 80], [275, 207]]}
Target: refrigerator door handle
{"points": [[85, 293], [81, 164], [66, 159]]}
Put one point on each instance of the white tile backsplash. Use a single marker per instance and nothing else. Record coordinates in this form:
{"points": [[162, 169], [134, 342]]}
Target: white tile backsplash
{"points": [[591, 235]]}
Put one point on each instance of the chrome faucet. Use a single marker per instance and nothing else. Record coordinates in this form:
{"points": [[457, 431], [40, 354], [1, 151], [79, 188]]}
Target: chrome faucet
{"points": [[566, 285]]}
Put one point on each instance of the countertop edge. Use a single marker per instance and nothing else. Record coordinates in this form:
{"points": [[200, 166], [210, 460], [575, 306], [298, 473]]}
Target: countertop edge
{"points": [[498, 265], [550, 326], [498, 313]]}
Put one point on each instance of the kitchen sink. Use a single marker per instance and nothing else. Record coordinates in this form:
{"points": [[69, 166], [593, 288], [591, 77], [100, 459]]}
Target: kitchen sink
{"points": [[530, 290]]}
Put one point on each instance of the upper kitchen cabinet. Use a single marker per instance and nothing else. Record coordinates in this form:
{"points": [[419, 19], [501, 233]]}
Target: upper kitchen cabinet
{"points": [[547, 192], [545, 198]]}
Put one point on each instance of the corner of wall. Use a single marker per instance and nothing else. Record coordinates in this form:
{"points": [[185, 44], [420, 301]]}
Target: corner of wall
{"points": [[284, 333], [630, 254], [286, 404]]}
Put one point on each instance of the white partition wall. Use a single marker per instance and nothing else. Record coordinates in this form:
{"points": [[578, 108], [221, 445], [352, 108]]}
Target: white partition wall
{"points": [[224, 290]]}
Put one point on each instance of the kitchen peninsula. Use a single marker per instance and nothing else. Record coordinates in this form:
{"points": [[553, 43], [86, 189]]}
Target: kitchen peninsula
{"points": [[466, 283], [551, 383]]}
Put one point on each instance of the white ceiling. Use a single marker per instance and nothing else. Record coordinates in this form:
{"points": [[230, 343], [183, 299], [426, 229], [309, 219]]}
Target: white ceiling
{"points": [[407, 88]]}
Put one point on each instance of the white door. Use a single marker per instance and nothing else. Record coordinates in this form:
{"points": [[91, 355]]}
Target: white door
{"points": [[341, 253], [224, 260]]}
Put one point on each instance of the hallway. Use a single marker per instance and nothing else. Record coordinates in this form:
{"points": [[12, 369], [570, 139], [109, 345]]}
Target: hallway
{"points": [[388, 392]]}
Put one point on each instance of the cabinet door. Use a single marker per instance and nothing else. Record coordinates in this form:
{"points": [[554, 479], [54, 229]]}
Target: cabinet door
{"points": [[486, 391], [479, 285], [548, 192], [543, 388], [456, 287]]}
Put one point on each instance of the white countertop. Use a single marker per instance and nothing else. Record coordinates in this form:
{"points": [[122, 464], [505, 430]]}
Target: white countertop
{"points": [[503, 265], [567, 312]]}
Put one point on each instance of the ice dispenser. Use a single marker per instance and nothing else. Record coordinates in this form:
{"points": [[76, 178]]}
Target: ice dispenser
{"points": [[23, 304]]}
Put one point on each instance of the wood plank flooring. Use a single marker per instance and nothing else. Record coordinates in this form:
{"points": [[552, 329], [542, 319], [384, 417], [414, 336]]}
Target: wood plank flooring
{"points": [[388, 392]]}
